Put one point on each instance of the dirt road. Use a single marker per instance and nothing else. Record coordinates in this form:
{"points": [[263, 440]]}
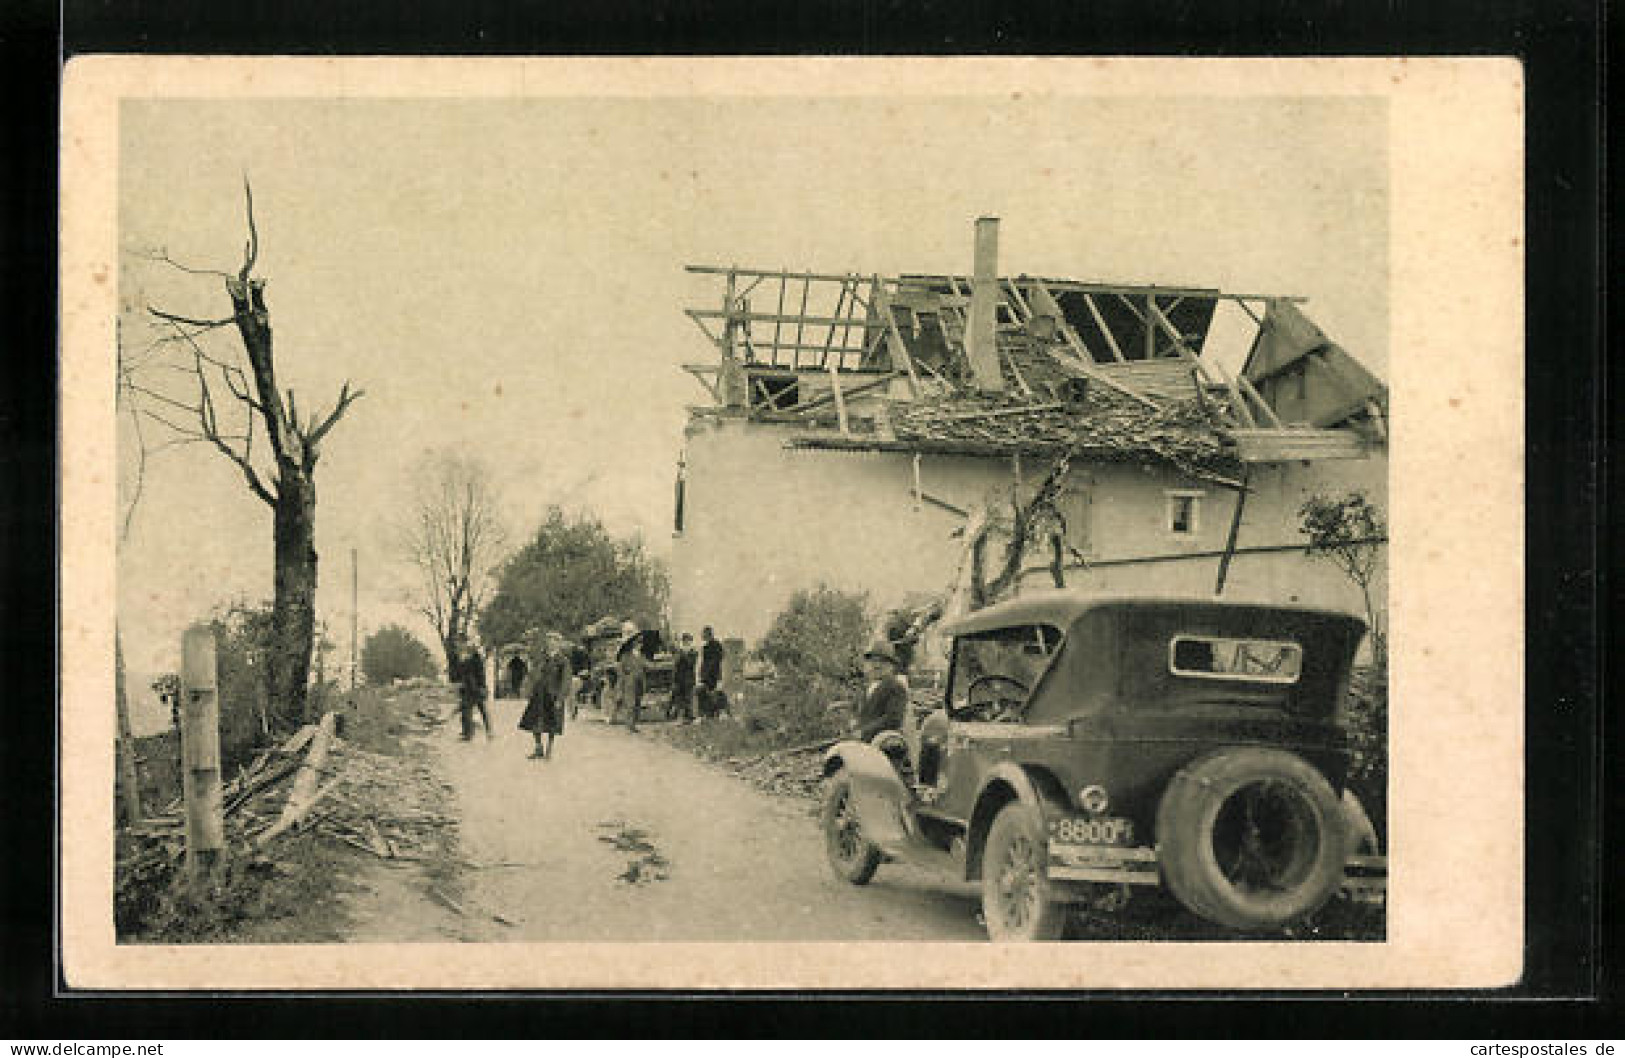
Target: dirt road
{"points": [[620, 837]]}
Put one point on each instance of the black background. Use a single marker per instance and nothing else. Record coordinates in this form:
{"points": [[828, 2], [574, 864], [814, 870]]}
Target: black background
{"points": [[1561, 43]]}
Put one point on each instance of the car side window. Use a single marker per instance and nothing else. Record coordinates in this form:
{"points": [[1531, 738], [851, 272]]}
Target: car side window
{"points": [[994, 672]]}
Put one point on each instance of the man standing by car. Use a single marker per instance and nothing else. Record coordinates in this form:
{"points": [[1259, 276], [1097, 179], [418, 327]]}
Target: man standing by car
{"points": [[682, 679], [885, 698], [710, 672]]}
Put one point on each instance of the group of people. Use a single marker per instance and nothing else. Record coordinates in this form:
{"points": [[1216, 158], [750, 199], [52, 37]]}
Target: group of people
{"points": [[556, 674], [696, 678]]}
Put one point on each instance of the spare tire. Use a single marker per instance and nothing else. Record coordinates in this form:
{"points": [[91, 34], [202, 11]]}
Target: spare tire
{"points": [[1251, 838]]}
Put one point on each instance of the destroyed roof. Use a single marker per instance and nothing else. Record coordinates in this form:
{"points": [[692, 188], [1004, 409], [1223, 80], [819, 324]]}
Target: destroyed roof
{"points": [[1101, 425], [1106, 371]]}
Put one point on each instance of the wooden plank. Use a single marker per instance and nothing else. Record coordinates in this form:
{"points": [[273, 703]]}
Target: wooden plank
{"points": [[899, 350], [1191, 358], [1150, 328], [937, 501], [813, 347], [304, 794], [806, 288], [698, 371], [762, 317], [840, 400], [1282, 446], [778, 324], [695, 315], [1021, 311], [1100, 321], [769, 273], [829, 338], [1263, 405]]}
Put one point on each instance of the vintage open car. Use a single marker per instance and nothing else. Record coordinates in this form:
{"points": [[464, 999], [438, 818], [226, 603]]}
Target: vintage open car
{"points": [[1088, 743], [603, 641]]}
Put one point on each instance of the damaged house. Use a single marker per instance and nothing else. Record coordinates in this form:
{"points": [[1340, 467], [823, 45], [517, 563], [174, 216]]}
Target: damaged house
{"points": [[893, 435]]}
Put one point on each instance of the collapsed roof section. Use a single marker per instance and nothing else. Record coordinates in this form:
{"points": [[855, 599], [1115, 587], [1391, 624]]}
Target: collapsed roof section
{"points": [[991, 365]]}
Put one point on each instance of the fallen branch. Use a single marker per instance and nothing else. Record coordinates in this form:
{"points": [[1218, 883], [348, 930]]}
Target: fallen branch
{"points": [[304, 794]]}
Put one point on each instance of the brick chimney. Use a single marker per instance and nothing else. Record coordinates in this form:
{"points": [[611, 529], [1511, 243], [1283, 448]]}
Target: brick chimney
{"points": [[981, 325]]}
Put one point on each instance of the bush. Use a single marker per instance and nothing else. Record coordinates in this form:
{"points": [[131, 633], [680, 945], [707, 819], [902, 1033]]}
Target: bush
{"points": [[1367, 721], [393, 653], [242, 650], [820, 633]]}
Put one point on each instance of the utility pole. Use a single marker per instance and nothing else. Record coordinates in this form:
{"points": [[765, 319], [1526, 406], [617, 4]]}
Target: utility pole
{"points": [[355, 618]]}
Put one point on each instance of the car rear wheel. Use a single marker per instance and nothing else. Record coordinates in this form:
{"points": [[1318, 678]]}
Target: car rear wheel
{"points": [[853, 857], [1251, 838], [1018, 900]]}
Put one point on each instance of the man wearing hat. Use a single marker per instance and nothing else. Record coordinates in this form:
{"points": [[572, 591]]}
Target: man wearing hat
{"points": [[885, 698], [630, 665]]}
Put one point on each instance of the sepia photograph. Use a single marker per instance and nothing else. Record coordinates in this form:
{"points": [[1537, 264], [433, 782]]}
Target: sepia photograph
{"points": [[609, 510]]}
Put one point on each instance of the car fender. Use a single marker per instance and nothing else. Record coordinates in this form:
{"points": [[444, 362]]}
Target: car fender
{"points": [[878, 796], [1008, 782]]}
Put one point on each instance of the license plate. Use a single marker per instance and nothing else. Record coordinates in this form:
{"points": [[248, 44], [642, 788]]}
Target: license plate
{"points": [[1076, 831]]}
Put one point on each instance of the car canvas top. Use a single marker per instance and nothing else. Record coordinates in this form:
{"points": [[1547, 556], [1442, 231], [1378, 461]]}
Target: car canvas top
{"points": [[1060, 607]]}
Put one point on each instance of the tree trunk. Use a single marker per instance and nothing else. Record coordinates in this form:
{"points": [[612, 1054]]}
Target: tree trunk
{"points": [[293, 618]]}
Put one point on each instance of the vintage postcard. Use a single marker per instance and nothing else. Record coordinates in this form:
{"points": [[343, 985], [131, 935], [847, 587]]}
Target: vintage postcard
{"points": [[791, 523]]}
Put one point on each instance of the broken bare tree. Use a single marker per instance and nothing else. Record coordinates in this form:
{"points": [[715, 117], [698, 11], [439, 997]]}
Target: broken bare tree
{"points": [[453, 539], [223, 405]]}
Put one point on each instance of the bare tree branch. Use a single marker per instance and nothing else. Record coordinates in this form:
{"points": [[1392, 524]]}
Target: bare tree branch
{"points": [[251, 251], [345, 400], [206, 325], [161, 256]]}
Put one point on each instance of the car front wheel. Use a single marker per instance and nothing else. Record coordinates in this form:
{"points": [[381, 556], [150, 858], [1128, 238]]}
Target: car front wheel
{"points": [[852, 856], [1018, 899]]}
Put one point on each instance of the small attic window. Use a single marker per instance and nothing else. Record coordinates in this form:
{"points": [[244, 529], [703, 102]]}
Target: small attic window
{"points": [[1182, 512]]}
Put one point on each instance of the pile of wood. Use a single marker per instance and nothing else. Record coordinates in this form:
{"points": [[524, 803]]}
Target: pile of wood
{"points": [[392, 807], [389, 806], [151, 853]]}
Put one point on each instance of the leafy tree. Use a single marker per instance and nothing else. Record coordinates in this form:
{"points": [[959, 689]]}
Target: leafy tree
{"points": [[393, 653], [570, 574], [821, 632], [1349, 532]]}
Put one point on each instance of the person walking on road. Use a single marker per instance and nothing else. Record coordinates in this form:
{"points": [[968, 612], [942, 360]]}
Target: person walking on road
{"points": [[630, 662], [549, 692], [469, 676], [710, 674]]}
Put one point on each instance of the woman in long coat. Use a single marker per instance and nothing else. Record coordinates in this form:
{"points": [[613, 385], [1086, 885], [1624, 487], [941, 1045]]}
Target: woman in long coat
{"points": [[544, 713]]}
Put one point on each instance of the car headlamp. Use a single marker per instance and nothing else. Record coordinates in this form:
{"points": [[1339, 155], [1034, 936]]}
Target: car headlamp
{"points": [[1093, 799]]}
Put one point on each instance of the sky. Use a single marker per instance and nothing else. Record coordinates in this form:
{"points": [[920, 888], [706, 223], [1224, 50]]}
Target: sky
{"points": [[504, 277]]}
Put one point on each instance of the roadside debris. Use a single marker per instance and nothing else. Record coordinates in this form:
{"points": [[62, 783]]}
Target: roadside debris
{"points": [[647, 864]]}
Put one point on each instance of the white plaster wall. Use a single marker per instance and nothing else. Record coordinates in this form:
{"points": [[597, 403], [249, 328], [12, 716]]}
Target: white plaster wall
{"points": [[762, 521]]}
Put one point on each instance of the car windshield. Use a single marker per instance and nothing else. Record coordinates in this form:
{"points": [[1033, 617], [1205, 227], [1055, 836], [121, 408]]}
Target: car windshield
{"points": [[1003, 664]]}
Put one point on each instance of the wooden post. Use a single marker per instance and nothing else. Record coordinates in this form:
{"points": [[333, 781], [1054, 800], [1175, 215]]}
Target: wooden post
{"points": [[840, 399], [1235, 531], [129, 781], [200, 750]]}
